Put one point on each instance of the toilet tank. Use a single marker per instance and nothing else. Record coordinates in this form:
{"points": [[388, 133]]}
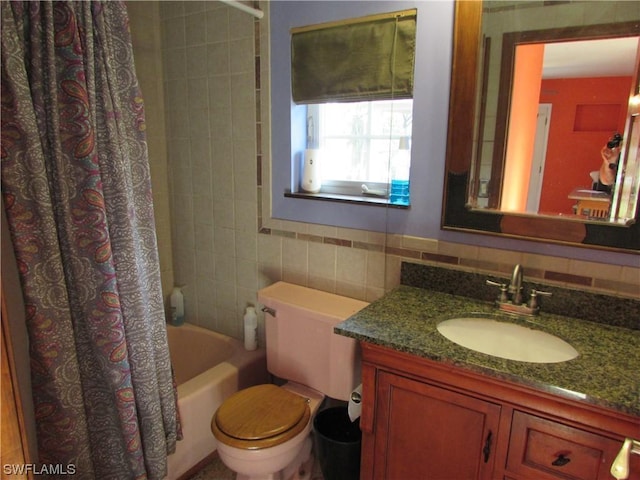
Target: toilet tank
{"points": [[301, 346]]}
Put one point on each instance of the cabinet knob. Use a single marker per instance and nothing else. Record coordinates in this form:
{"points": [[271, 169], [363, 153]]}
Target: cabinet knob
{"points": [[561, 461]]}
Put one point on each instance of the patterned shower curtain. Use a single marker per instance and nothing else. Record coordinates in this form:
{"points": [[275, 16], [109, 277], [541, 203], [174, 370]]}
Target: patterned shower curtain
{"points": [[76, 191]]}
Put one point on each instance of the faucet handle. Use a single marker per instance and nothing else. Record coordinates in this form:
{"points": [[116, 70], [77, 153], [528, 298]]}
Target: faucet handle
{"points": [[533, 298], [503, 290]]}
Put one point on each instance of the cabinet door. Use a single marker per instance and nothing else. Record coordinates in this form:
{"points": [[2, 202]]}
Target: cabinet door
{"points": [[540, 448], [427, 432]]}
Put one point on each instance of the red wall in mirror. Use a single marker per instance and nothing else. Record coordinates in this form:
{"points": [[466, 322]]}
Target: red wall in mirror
{"points": [[575, 142]]}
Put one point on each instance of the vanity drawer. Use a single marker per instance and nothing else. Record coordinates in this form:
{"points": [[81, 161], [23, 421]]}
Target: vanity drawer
{"points": [[540, 448]]}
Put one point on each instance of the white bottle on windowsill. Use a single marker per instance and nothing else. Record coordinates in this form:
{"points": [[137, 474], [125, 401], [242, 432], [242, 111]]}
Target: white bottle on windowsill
{"points": [[311, 178]]}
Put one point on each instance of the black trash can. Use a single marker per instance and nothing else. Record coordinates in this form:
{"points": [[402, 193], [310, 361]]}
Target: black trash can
{"points": [[338, 443]]}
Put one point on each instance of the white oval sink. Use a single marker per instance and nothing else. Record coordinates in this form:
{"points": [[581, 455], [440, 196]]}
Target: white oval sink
{"points": [[507, 340]]}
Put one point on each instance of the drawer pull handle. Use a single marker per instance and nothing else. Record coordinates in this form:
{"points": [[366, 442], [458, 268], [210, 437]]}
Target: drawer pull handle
{"points": [[487, 447], [561, 461], [620, 466]]}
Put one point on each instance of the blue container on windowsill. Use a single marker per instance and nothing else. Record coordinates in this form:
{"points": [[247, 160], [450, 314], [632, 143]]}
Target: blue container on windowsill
{"points": [[399, 193]]}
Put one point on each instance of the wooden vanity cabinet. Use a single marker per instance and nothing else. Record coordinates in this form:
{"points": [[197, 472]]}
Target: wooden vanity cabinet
{"points": [[430, 432], [427, 420]]}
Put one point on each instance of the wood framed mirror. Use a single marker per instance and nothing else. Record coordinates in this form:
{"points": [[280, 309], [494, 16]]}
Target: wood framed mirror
{"points": [[470, 84]]}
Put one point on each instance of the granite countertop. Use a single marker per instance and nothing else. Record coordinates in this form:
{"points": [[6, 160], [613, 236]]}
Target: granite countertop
{"points": [[606, 372]]}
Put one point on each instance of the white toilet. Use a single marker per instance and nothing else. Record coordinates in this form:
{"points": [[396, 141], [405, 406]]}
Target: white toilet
{"points": [[263, 432]]}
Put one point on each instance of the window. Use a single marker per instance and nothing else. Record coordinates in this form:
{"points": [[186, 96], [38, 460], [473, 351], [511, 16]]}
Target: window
{"points": [[355, 78], [363, 145]]}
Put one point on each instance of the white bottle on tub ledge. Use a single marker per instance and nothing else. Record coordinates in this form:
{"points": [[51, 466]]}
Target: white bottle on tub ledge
{"points": [[250, 329], [177, 306]]}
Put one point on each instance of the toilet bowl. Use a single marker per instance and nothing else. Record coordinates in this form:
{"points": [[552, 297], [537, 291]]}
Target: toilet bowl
{"points": [[264, 432]]}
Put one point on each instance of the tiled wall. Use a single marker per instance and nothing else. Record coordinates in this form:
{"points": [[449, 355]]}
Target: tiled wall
{"points": [[225, 245], [145, 32], [209, 80]]}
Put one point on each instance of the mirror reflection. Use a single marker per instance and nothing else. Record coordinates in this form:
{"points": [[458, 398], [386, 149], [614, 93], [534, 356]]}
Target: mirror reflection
{"points": [[556, 114]]}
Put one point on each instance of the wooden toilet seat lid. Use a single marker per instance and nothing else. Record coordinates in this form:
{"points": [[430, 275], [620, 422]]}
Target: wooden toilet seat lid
{"points": [[261, 412]]}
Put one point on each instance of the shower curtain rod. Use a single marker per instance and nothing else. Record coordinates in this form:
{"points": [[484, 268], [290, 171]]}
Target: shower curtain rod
{"points": [[241, 6]]}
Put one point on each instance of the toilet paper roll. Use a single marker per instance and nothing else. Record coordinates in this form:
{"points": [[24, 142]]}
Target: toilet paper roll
{"points": [[355, 404]]}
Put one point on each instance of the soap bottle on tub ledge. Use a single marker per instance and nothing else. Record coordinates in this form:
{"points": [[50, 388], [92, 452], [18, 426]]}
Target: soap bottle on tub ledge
{"points": [[250, 329], [177, 306]]}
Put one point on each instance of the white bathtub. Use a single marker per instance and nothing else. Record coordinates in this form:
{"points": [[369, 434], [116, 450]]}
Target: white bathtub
{"points": [[209, 367]]}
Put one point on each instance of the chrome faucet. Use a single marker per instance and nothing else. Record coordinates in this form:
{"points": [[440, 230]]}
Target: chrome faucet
{"points": [[510, 299], [515, 286]]}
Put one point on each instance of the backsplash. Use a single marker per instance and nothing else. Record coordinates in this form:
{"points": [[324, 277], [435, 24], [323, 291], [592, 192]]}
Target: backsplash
{"points": [[619, 281], [594, 307]]}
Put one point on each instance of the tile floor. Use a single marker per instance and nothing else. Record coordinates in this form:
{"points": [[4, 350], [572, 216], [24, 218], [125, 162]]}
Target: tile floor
{"points": [[216, 470]]}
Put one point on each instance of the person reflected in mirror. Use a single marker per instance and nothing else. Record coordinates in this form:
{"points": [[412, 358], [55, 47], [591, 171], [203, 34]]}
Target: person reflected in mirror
{"points": [[610, 154]]}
